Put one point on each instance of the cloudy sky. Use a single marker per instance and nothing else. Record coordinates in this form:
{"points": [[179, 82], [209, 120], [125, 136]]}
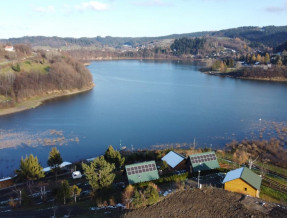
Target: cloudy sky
{"points": [[84, 18]]}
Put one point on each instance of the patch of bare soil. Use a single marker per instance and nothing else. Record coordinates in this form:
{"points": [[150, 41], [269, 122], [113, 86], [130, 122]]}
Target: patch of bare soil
{"points": [[209, 202]]}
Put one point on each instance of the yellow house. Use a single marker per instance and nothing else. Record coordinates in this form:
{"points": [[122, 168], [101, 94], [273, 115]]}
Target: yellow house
{"points": [[243, 181]]}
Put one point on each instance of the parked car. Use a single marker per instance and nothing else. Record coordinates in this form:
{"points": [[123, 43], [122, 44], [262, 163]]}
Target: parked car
{"points": [[77, 175]]}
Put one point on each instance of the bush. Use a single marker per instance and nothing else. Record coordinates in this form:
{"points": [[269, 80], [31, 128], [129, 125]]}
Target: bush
{"points": [[173, 178]]}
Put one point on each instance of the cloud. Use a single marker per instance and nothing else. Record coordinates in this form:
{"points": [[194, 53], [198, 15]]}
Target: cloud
{"points": [[273, 9], [92, 5], [152, 3], [49, 9]]}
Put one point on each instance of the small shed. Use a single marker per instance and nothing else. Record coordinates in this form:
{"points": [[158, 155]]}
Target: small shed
{"points": [[141, 172], [243, 181], [174, 160], [203, 161]]}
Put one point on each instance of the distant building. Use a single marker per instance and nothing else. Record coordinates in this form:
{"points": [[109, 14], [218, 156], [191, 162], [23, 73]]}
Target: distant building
{"points": [[243, 181], [174, 160], [203, 161], [9, 48], [142, 172], [6, 182]]}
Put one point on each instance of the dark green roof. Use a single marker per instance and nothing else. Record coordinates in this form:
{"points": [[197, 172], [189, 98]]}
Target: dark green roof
{"points": [[136, 173], [251, 178], [204, 163]]}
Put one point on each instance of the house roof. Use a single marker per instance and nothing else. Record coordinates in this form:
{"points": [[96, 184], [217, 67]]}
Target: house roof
{"points": [[64, 164], [246, 175], [204, 161], [5, 179], [172, 158], [142, 172]]}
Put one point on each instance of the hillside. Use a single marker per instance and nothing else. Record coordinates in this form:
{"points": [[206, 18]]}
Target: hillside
{"points": [[210, 202], [38, 76], [271, 36]]}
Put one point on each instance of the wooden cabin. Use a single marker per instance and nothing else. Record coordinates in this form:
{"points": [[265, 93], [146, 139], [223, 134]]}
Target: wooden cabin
{"points": [[243, 181]]}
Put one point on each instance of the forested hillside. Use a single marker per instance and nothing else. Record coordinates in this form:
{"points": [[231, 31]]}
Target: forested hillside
{"points": [[39, 74], [271, 36]]}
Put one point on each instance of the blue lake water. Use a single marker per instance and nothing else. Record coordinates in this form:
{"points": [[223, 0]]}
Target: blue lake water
{"points": [[143, 103]]}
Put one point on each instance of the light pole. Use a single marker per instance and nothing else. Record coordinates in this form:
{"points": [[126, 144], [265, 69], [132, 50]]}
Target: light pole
{"points": [[198, 178]]}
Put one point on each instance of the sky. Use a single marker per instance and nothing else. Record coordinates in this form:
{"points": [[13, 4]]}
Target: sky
{"points": [[134, 18]]}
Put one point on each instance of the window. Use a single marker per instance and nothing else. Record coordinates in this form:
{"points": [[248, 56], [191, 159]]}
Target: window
{"points": [[245, 189]]}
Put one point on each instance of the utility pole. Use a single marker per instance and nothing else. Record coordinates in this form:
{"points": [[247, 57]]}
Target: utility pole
{"points": [[198, 179]]}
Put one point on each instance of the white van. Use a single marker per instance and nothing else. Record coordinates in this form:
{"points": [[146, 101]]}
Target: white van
{"points": [[76, 175]]}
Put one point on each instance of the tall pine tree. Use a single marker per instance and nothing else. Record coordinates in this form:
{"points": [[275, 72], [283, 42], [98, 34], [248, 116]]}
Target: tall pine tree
{"points": [[99, 173], [30, 169], [115, 157], [55, 160]]}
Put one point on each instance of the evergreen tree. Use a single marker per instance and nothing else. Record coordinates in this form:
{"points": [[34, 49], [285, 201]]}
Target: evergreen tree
{"points": [[75, 191], [30, 169], [55, 160], [115, 157], [64, 191], [138, 199], [99, 173], [151, 194]]}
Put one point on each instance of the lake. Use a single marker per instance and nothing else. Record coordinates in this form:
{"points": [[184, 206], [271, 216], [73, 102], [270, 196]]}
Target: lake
{"points": [[139, 104]]}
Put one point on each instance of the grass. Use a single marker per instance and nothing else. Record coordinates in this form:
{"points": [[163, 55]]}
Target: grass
{"points": [[270, 194], [279, 170], [26, 66]]}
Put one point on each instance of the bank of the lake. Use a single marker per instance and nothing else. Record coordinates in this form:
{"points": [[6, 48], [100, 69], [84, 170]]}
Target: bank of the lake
{"points": [[36, 101], [273, 74]]}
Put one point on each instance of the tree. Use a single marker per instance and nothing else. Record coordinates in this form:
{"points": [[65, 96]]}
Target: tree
{"points": [[222, 66], [279, 61], [75, 191], [253, 59], [267, 58], [128, 196], [115, 157], [99, 173], [138, 199], [151, 194], [30, 169], [55, 160], [164, 166], [240, 157], [258, 58], [64, 191]]}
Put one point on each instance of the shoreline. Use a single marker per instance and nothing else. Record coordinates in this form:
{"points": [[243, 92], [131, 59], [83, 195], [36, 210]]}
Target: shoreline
{"points": [[87, 61], [33, 103], [275, 79]]}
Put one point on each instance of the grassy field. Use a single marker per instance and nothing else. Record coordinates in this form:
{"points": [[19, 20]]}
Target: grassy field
{"points": [[27, 66], [270, 194]]}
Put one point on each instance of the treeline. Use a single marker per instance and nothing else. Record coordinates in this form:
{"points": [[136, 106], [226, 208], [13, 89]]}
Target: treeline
{"points": [[271, 151], [45, 73], [271, 36], [156, 52], [187, 46], [258, 73]]}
